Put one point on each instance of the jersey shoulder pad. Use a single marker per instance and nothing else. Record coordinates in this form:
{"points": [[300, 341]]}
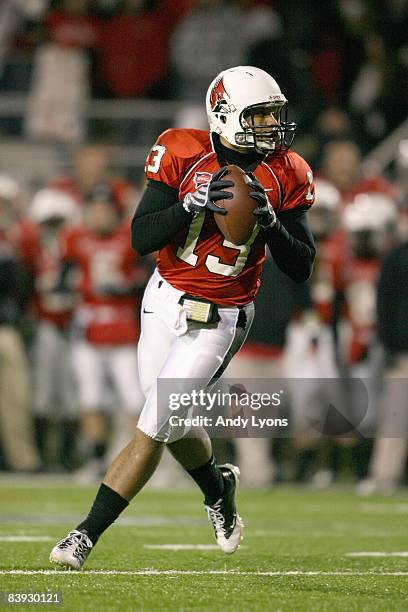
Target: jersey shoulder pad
{"points": [[296, 178], [174, 152]]}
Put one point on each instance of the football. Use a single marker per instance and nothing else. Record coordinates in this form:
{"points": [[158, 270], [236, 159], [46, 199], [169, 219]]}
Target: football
{"points": [[238, 224]]}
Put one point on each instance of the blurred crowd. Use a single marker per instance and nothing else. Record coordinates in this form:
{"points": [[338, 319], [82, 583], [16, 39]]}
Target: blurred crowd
{"points": [[70, 285], [343, 64]]}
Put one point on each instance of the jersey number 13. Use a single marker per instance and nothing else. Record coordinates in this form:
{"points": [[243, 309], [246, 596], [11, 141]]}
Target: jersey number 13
{"points": [[214, 264]]}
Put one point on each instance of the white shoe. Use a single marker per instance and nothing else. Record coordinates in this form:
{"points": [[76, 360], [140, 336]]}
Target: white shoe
{"points": [[223, 514], [72, 551], [322, 479], [90, 473], [371, 486]]}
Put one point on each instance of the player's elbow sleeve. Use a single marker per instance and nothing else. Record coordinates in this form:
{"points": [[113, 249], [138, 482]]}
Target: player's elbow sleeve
{"points": [[302, 267], [138, 238], [304, 271], [302, 274]]}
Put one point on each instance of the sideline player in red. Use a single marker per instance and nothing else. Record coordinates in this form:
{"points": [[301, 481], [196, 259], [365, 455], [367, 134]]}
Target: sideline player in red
{"points": [[105, 327], [185, 170]]}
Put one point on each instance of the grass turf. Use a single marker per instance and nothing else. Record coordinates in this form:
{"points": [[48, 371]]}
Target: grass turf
{"points": [[287, 530]]}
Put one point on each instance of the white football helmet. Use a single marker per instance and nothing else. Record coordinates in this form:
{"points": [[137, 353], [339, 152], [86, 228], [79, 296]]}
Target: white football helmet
{"points": [[52, 203], [9, 188], [323, 215], [239, 93], [326, 195], [370, 212], [371, 221]]}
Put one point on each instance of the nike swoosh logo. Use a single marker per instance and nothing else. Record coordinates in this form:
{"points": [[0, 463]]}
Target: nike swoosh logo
{"points": [[147, 311]]}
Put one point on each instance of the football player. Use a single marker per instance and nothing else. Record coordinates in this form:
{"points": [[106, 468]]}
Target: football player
{"points": [[198, 305], [105, 328], [18, 247], [53, 389]]}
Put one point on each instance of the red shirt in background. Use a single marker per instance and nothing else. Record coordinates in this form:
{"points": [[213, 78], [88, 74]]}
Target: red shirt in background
{"points": [[80, 31], [133, 49], [104, 261], [23, 239]]}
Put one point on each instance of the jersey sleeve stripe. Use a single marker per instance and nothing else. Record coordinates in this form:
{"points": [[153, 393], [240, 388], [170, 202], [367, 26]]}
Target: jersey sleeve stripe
{"points": [[280, 190]]}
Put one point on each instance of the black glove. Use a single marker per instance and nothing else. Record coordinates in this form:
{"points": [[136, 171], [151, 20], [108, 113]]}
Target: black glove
{"points": [[264, 213], [206, 195]]}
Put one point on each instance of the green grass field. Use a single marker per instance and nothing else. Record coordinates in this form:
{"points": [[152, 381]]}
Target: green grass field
{"points": [[295, 555]]}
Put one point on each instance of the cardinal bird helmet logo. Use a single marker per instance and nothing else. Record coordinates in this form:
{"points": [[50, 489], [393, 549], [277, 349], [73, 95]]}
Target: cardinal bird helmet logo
{"points": [[219, 98]]}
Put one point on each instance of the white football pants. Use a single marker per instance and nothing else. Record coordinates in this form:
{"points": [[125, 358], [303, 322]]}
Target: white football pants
{"points": [[172, 348], [92, 364]]}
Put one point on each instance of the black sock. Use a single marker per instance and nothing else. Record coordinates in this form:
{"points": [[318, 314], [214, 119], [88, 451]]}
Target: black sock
{"points": [[209, 479], [41, 428], [68, 448], [105, 510]]}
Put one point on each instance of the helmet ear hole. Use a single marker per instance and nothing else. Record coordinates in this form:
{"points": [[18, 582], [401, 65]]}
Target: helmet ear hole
{"points": [[223, 119]]}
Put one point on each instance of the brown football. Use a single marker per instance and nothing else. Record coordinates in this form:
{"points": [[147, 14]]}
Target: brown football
{"points": [[238, 224]]}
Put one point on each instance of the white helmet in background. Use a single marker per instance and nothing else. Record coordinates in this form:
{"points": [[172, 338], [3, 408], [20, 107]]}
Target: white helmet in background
{"points": [[370, 211], [9, 188], [232, 100], [51, 203], [323, 217], [326, 195], [371, 221]]}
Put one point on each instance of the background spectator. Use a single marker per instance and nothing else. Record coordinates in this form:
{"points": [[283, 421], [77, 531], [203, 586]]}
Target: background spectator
{"points": [[133, 49], [196, 57], [17, 444], [91, 166], [105, 322], [54, 396], [390, 450], [342, 166], [60, 83]]}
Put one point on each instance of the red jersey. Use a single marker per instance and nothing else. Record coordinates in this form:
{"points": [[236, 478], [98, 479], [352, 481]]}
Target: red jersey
{"points": [[76, 31], [199, 260], [23, 238], [105, 262]]}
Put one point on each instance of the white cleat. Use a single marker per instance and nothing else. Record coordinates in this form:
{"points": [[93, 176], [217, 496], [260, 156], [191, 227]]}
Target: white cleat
{"points": [[72, 551], [223, 514]]}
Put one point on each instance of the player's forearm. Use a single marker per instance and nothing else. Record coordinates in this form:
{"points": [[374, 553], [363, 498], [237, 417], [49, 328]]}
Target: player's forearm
{"points": [[153, 231], [157, 220], [291, 245]]}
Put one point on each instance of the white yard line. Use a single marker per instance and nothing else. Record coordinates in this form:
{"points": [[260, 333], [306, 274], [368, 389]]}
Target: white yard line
{"points": [[153, 572], [377, 554], [177, 547], [25, 538], [385, 508]]}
